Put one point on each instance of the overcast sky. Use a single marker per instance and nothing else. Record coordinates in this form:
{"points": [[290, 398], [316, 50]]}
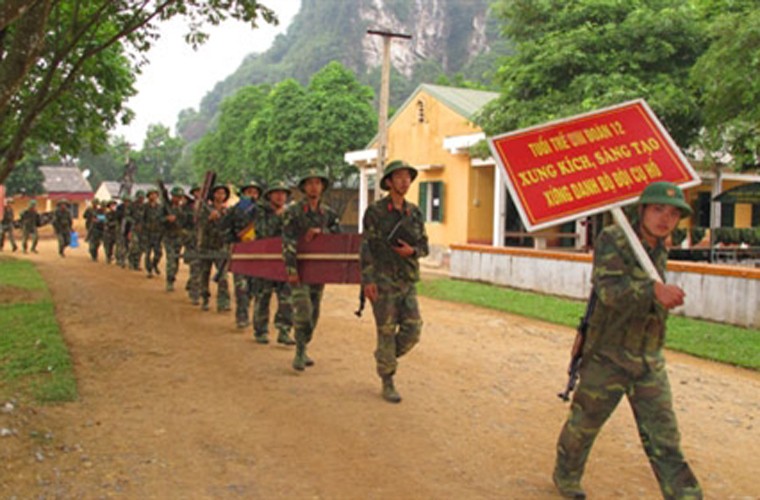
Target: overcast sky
{"points": [[178, 77]]}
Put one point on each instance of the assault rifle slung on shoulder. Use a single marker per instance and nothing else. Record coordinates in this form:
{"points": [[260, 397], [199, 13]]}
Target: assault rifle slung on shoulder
{"points": [[576, 357]]}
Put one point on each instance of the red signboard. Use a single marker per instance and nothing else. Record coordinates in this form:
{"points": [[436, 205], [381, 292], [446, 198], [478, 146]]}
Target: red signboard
{"points": [[589, 163], [328, 258]]}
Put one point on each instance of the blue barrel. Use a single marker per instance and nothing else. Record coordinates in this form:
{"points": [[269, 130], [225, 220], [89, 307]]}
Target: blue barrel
{"points": [[74, 239]]}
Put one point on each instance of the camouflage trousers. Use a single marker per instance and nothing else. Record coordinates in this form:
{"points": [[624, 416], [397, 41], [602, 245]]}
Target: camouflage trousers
{"points": [[94, 241], [64, 240], [109, 244], [306, 300], [153, 253], [602, 385], [7, 230], [27, 235], [193, 285], [121, 249], [173, 247], [222, 287], [283, 318], [135, 250], [398, 322], [245, 288]]}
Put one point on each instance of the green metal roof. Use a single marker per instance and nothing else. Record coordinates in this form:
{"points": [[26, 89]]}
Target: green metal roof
{"points": [[465, 102]]}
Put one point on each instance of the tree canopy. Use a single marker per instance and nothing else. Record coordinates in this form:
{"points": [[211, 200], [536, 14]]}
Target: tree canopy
{"points": [[573, 57], [68, 66]]}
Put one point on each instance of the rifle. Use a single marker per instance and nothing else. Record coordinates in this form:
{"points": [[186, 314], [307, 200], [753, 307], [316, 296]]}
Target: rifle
{"points": [[576, 357], [163, 193]]}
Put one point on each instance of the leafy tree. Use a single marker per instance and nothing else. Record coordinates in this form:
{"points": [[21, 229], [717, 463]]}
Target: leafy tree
{"points": [[58, 56], [159, 154], [107, 165], [727, 78], [26, 179], [578, 56]]}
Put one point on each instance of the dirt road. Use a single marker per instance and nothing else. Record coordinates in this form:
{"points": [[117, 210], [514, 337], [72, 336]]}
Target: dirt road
{"points": [[178, 403]]}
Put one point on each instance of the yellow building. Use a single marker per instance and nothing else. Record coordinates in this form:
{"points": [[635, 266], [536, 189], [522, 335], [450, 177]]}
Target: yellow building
{"points": [[433, 131]]}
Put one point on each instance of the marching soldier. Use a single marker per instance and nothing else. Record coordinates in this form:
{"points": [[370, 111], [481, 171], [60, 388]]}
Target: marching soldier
{"points": [[30, 221], [152, 232], [89, 217], [269, 224], [242, 228], [394, 240], [212, 241], [622, 353], [306, 219], [174, 222], [97, 229], [6, 226], [111, 231], [123, 218], [62, 225], [136, 214], [193, 285]]}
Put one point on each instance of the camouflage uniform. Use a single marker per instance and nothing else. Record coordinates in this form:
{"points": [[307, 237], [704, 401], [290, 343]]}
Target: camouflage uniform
{"points": [[269, 224], [173, 236], [239, 221], [6, 227], [124, 225], [305, 298], [62, 225], [96, 232], [151, 234], [111, 231], [30, 221], [190, 242], [212, 240], [622, 356], [136, 214], [397, 314], [89, 216]]}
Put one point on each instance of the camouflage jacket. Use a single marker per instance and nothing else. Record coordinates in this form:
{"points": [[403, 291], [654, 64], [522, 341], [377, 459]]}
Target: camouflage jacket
{"points": [[153, 219], [628, 323], [137, 213], [62, 221], [174, 229], [380, 264], [112, 224], [8, 216], [297, 220], [30, 220], [212, 233], [268, 223]]}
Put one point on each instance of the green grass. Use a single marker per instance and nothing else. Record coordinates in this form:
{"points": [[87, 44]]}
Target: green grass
{"points": [[705, 339], [34, 361]]}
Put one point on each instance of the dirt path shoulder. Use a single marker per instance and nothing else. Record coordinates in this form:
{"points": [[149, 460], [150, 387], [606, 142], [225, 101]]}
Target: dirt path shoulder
{"points": [[177, 403]]}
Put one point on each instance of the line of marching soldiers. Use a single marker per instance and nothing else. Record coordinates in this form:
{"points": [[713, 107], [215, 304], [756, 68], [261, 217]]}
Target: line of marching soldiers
{"points": [[30, 220], [136, 233]]}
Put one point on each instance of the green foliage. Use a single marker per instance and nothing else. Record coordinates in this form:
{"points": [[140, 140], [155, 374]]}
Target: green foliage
{"points": [[726, 77], [36, 363], [697, 234], [678, 235], [68, 66], [26, 178], [158, 156], [107, 165], [719, 342], [573, 57]]}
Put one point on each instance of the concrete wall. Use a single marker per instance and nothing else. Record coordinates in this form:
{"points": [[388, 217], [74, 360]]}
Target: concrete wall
{"points": [[727, 294]]}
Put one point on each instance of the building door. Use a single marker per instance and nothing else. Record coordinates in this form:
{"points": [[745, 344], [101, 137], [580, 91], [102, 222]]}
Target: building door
{"points": [[514, 230]]}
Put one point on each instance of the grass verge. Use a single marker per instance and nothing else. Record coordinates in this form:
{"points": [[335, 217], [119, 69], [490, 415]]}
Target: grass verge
{"points": [[34, 361], [705, 339]]}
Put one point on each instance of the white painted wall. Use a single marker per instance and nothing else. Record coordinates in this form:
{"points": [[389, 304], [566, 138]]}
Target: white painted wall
{"points": [[725, 299]]}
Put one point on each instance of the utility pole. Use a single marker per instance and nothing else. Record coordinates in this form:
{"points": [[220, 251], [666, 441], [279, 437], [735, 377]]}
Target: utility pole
{"points": [[382, 125]]}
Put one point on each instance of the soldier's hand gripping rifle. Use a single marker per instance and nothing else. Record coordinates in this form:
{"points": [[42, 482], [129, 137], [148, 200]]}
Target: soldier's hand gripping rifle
{"points": [[577, 353]]}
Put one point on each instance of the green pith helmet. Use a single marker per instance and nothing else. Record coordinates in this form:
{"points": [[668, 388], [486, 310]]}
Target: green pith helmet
{"points": [[32, 203], [152, 190], [665, 193], [178, 191], [95, 202], [253, 183], [62, 201], [111, 202], [126, 197], [140, 194], [394, 166], [311, 174], [217, 187], [276, 186], [195, 187]]}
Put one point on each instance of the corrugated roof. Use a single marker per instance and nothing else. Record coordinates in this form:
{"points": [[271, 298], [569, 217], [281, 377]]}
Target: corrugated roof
{"points": [[64, 180], [465, 102]]}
